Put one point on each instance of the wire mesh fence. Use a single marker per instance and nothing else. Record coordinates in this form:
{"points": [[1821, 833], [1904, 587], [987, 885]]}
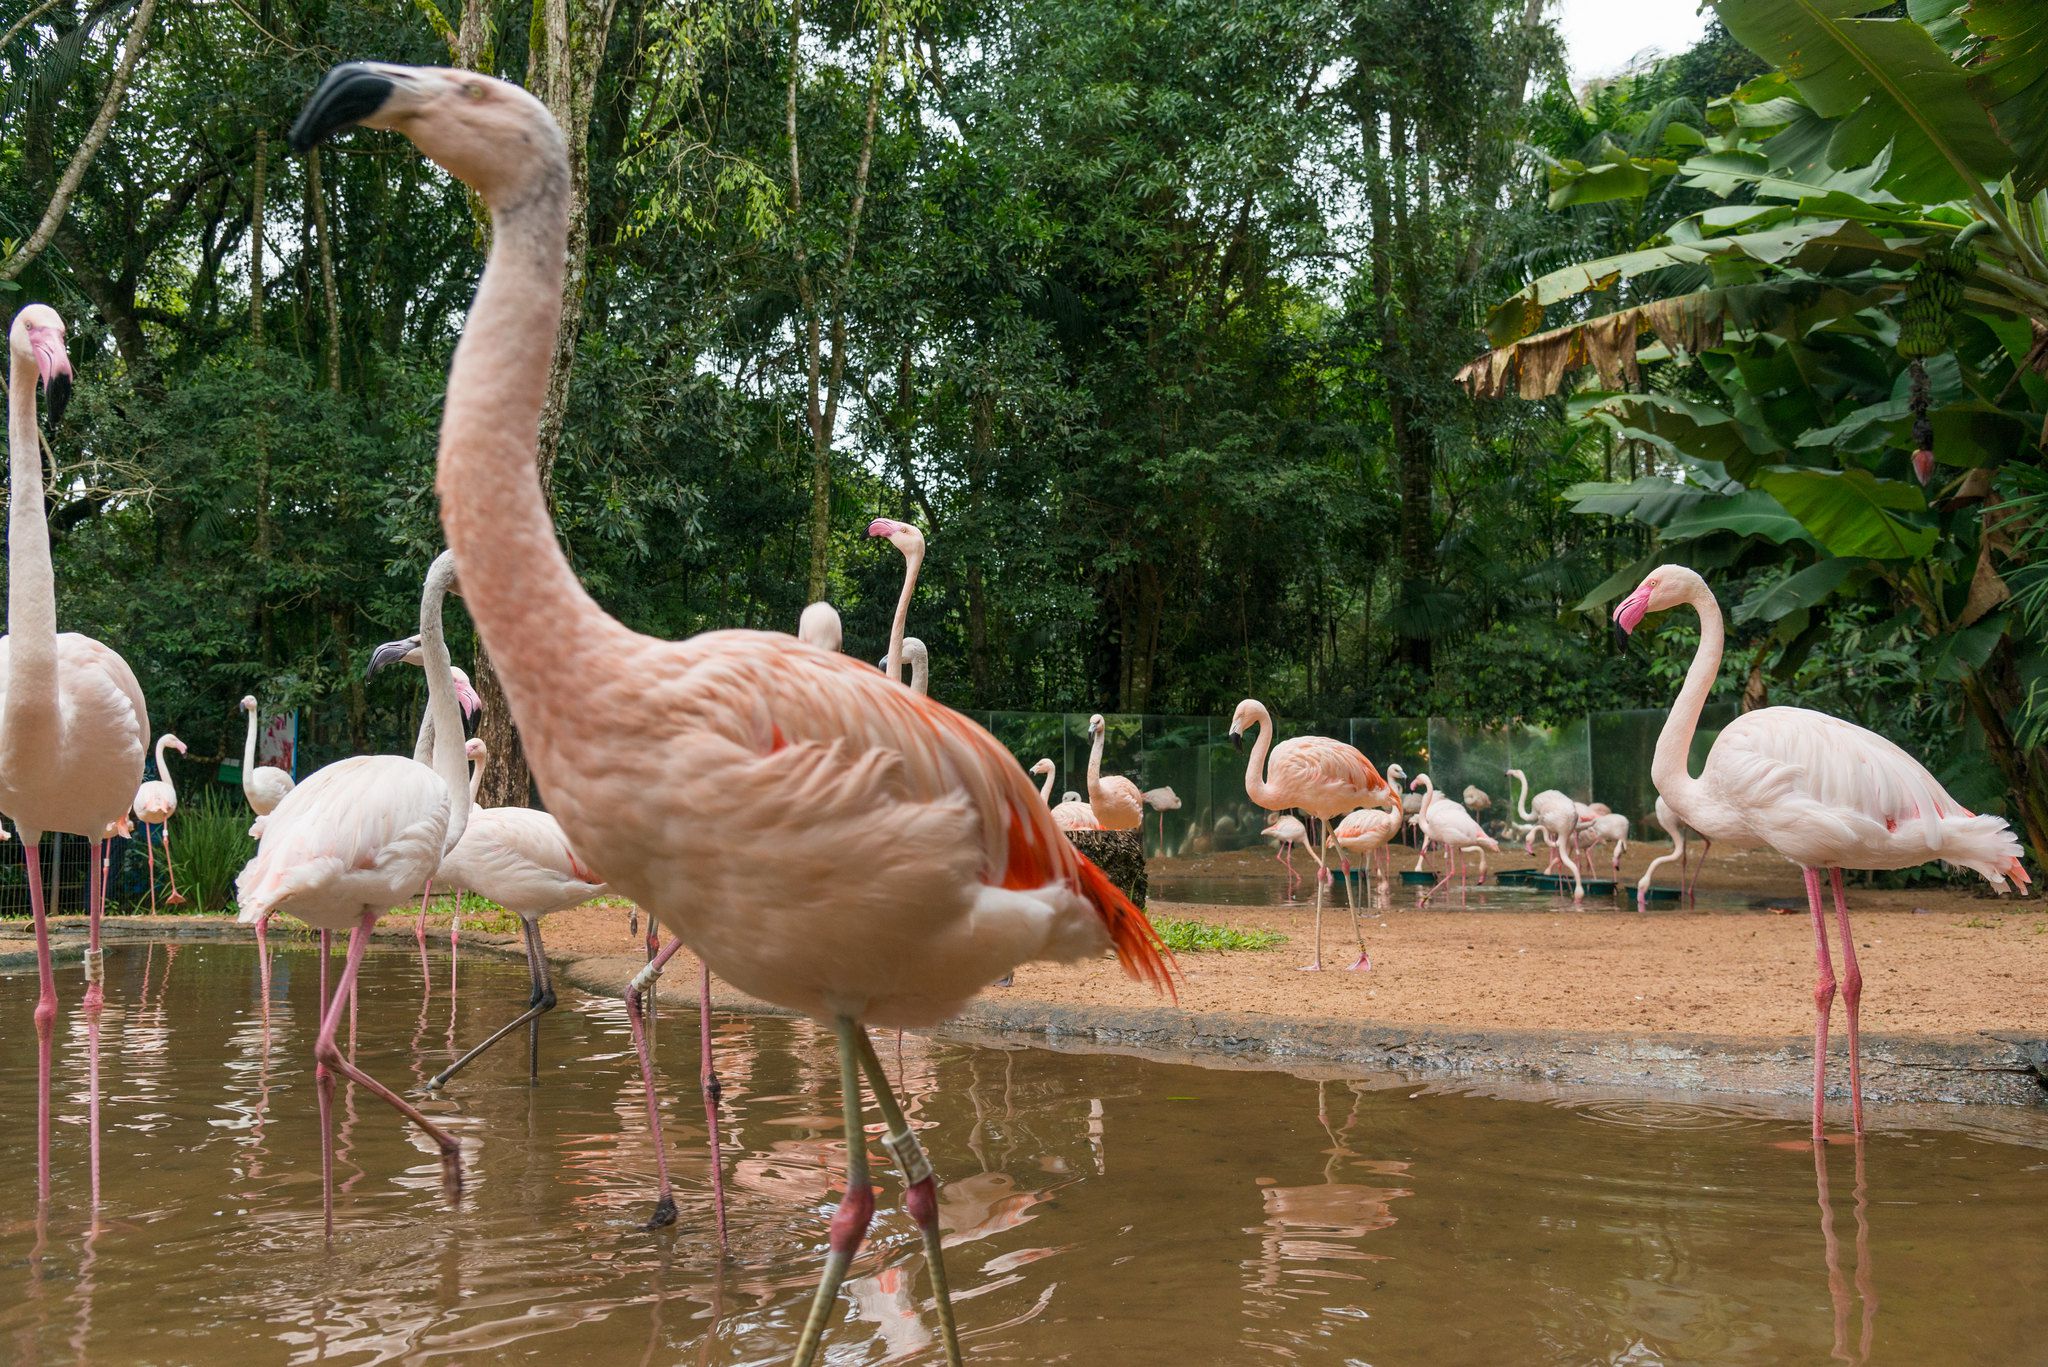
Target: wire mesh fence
{"points": [[66, 861], [1601, 757]]}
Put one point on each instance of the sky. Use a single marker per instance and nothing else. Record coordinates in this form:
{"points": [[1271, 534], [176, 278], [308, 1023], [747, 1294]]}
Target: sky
{"points": [[1603, 36]]}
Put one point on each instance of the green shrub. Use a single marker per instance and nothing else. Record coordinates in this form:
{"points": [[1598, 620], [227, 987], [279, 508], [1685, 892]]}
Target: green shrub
{"points": [[210, 842], [1192, 936]]}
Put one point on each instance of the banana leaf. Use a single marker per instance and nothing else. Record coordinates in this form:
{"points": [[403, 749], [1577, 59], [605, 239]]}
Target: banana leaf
{"points": [[1852, 512], [1795, 592]]}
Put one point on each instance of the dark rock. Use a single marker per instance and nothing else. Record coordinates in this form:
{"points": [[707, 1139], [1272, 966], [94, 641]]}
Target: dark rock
{"points": [[1120, 854]]}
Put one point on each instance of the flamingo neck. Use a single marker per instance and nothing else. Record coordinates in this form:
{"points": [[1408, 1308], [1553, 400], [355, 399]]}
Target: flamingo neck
{"points": [[248, 753], [920, 670], [520, 590], [449, 762], [912, 562], [1674, 743], [476, 779], [1428, 796], [1255, 786], [1095, 762], [1522, 809], [1045, 788], [163, 770], [28, 728]]}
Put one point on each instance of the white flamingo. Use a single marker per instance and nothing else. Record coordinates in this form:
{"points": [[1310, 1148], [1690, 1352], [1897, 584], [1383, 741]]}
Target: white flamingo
{"points": [[74, 728], [156, 802], [1454, 829], [1558, 817], [1286, 832], [1682, 837], [1823, 792]]}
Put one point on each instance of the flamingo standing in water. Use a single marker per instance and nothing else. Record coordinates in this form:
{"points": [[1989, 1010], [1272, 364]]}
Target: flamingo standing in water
{"points": [[156, 802], [263, 786], [1454, 830], [1324, 778], [1115, 800], [1682, 837], [1557, 816], [821, 836], [1286, 832], [74, 728], [1822, 792], [1368, 834], [355, 839]]}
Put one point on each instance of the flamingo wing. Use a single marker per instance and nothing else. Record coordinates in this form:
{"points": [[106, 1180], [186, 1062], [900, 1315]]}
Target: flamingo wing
{"points": [[1117, 803], [358, 832], [522, 860], [1329, 776]]}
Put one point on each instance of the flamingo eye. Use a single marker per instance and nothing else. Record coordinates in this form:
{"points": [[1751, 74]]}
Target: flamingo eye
{"points": [[471, 90]]}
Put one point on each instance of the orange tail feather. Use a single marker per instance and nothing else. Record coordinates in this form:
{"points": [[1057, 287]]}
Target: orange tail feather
{"points": [[1138, 947]]}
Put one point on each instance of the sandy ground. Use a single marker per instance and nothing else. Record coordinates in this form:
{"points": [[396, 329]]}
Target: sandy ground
{"points": [[1935, 961]]}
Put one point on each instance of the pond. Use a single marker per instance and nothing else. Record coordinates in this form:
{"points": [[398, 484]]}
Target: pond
{"points": [[1098, 1208]]}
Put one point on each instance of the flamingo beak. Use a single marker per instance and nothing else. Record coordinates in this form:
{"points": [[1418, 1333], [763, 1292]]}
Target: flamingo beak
{"points": [[467, 697], [390, 653], [346, 95], [53, 367], [882, 526], [1236, 740], [1630, 614]]}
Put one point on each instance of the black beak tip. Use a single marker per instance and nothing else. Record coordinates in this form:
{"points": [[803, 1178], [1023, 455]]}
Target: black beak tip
{"points": [[389, 653], [56, 398], [1237, 740], [346, 95]]}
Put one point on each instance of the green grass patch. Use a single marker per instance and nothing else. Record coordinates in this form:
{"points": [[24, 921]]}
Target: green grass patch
{"points": [[1193, 936], [210, 839]]}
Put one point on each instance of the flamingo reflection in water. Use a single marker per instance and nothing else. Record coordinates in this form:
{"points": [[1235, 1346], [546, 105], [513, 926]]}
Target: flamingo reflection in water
{"points": [[1310, 1226]]}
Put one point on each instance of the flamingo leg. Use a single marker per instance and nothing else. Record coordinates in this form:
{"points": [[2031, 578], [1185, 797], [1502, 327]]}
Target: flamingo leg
{"points": [[1852, 997], [150, 847], [1288, 864], [1823, 1000], [419, 926], [329, 1056], [95, 998], [1692, 888], [1364, 959], [643, 983], [176, 899], [1317, 965], [714, 1091], [46, 1010], [538, 1004], [856, 1208], [1578, 883], [920, 1191]]}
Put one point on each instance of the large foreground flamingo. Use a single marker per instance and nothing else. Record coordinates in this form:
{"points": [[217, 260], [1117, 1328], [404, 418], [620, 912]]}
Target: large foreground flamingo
{"points": [[821, 836], [1823, 792], [73, 725], [156, 802], [355, 839], [1324, 778]]}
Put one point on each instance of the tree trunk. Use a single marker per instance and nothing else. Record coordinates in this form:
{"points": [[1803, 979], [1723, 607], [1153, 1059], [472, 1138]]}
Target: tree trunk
{"points": [[256, 188], [74, 172], [331, 301]]}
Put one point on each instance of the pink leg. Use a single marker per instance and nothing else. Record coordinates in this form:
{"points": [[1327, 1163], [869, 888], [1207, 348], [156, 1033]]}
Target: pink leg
{"points": [[176, 899], [95, 998], [1823, 1000], [150, 846], [707, 1077], [1852, 997], [329, 1055], [643, 982], [46, 1010], [419, 927]]}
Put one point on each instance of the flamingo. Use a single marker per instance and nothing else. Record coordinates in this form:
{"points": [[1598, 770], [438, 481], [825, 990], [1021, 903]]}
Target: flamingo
{"points": [[1600, 830], [74, 728], [819, 626], [910, 541], [1411, 803], [1045, 769], [470, 703], [1324, 778], [1476, 800], [1285, 833], [355, 838], [1557, 816], [1368, 833], [1115, 800], [518, 858], [1681, 836], [156, 802], [1455, 830], [824, 838], [918, 661], [1161, 800], [263, 785], [1823, 792], [1073, 814]]}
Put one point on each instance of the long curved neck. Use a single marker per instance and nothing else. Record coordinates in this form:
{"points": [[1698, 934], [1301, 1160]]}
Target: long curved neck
{"points": [[1428, 795], [1045, 788], [525, 599], [1674, 743], [1523, 812], [163, 770], [476, 777], [423, 740], [1095, 762], [449, 762], [248, 753], [911, 563], [921, 671], [31, 585], [1255, 786]]}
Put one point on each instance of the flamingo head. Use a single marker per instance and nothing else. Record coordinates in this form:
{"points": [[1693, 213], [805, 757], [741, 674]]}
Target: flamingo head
{"points": [[174, 743], [248, 702], [1396, 775], [489, 134], [901, 535], [1243, 719], [819, 626], [406, 651], [465, 693], [1043, 766], [475, 749], [1095, 726], [1418, 783], [1664, 587], [1070, 796], [38, 334]]}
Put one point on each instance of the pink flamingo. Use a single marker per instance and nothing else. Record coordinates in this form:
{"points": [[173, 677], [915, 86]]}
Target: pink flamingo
{"points": [[520, 859], [1557, 816], [1115, 800], [823, 837], [468, 701], [1074, 814], [156, 802], [1285, 833], [1161, 800], [1681, 836], [1608, 827], [263, 786], [1453, 830], [73, 724], [1324, 778], [1368, 833], [1823, 792], [351, 841]]}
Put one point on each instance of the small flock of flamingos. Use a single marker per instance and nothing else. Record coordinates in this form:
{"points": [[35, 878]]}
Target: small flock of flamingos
{"points": [[819, 835]]}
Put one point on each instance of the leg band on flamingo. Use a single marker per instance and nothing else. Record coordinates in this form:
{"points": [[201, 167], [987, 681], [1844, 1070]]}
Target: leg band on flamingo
{"points": [[638, 992], [920, 1192], [856, 1208]]}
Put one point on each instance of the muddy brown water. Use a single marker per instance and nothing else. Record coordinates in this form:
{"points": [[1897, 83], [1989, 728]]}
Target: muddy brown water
{"points": [[1385, 895], [1099, 1209]]}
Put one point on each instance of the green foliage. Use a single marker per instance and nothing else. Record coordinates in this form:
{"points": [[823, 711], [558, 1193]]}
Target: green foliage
{"points": [[1184, 937], [210, 835]]}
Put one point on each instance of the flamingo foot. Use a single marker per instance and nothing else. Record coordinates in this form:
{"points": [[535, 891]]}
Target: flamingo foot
{"points": [[664, 1213], [1315, 967], [1363, 963]]}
